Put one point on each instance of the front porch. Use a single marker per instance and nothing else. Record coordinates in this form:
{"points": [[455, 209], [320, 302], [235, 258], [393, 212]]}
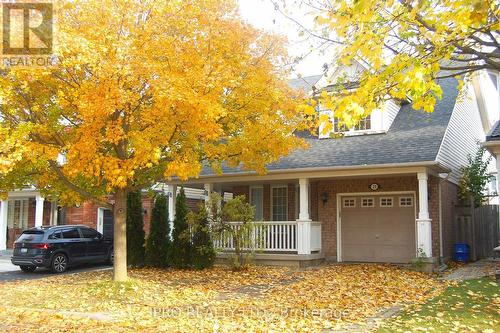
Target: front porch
{"points": [[24, 209], [368, 215]]}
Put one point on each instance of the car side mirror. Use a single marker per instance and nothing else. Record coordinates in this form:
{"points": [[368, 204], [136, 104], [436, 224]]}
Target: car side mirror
{"points": [[98, 237]]}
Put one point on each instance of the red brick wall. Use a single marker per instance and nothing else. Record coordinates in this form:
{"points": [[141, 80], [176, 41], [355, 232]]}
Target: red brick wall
{"points": [[449, 198], [241, 190], [327, 214], [31, 212], [86, 214], [315, 200]]}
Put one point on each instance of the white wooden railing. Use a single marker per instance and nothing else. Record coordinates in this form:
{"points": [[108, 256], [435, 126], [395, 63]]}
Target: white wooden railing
{"points": [[287, 236]]}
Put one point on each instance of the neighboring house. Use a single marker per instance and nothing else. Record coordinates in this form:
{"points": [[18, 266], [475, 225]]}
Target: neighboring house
{"points": [[384, 192], [27, 208]]}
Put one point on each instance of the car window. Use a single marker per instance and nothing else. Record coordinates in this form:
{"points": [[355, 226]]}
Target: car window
{"points": [[89, 233], [70, 233], [30, 236], [56, 235]]}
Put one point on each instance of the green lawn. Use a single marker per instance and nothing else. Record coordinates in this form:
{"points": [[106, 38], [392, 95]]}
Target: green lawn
{"points": [[470, 306]]}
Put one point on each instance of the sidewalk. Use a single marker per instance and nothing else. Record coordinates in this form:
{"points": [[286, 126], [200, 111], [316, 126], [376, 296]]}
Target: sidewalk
{"points": [[6, 253], [5, 264], [475, 270]]}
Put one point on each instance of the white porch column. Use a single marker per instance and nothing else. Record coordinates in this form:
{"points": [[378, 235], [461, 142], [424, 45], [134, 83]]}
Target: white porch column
{"points": [[304, 222], [39, 211], [3, 224], [172, 196], [304, 199], [424, 223], [209, 188]]}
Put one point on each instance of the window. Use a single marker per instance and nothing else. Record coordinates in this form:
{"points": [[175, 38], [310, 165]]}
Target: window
{"points": [[405, 201], [364, 124], [88, 233], [256, 200], [386, 202], [56, 235], [279, 203], [339, 127], [70, 233], [367, 202], [17, 214], [349, 202], [492, 188]]}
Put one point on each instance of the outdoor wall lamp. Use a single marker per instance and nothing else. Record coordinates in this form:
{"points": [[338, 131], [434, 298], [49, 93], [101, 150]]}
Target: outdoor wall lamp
{"points": [[324, 197]]}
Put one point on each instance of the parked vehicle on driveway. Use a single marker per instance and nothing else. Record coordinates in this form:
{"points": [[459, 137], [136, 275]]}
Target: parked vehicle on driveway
{"points": [[58, 247]]}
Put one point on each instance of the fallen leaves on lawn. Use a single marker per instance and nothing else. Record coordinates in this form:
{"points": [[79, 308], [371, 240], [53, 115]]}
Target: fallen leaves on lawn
{"points": [[261, 299]]}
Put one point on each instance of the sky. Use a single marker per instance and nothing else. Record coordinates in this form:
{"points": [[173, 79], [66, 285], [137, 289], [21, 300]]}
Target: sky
{"points": [[262, 15]]}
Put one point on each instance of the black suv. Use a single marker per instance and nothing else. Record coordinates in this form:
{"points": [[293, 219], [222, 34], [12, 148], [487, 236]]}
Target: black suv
{"points": [[58, 247]]}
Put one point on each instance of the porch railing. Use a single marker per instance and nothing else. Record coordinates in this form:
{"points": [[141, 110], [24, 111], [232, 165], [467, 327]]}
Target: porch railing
{"points": [[287, 236]]}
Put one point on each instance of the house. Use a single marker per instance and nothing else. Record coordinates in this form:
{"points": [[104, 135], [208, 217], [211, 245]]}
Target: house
{"points": [[384, 192], [27, 208]]}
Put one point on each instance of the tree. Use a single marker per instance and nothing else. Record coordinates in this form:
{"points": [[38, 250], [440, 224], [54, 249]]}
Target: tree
{"points": [[135, 229], [180, 254], [472, 186], [245, 241], [406, 47], [121, 107], [158, 243], [203, 251], [474, 178]]}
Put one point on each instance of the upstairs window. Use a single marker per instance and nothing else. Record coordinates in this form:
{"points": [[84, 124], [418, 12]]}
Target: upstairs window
{"points": [[364, 124]]}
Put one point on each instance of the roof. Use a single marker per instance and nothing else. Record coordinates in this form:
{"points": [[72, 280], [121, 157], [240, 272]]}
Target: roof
{"points": [[494, 134], [304, 83], [414, 136]]}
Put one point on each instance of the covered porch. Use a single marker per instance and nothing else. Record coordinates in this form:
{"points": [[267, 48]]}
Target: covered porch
{"points": [[21, 210], [391, 213]]}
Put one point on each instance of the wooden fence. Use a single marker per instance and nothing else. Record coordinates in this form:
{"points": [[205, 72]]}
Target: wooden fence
{"points": [[486, 229]]}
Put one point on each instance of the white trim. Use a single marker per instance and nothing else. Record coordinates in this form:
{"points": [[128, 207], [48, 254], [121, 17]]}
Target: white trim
{"points": [[387, 200], [440, 219], [324, 172], [100, 219], [271, 199], [339, 220]]}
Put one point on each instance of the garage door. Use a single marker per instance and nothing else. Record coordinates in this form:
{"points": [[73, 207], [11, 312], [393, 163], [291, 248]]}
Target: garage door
{"points": [[378, 228]]}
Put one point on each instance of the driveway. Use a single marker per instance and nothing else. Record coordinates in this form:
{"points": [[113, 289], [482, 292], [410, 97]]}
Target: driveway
{"points": [[9, 272]]}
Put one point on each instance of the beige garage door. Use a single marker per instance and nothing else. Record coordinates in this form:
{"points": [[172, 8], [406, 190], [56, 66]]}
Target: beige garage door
{"points": [[378, 228]]}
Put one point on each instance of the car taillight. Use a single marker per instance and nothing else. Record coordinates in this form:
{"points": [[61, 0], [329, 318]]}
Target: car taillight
{"points": [[43, 246]]}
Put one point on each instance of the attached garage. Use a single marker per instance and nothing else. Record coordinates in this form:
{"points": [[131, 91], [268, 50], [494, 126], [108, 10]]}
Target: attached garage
{"points": [[377, 228]]}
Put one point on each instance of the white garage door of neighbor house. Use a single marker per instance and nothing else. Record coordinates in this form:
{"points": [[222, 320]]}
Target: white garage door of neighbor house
{"points": [[378, 228]]}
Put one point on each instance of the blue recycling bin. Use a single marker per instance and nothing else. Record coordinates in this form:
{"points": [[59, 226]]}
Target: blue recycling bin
{"points": [[462, 252]]}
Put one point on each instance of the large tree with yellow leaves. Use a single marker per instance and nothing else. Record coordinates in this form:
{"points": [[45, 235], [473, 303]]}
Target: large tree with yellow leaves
{"points": [[143, 91], [406, 46]]}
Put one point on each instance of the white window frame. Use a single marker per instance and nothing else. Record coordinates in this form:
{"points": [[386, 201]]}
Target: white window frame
{"points": [[386, 198], [261, 199], [23, 213], [272, 201], [372, 200], [405, 204], [348, 199]]}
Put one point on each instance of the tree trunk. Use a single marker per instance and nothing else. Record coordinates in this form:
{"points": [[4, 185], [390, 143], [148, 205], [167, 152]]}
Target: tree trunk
{"points": [[120, 236]]}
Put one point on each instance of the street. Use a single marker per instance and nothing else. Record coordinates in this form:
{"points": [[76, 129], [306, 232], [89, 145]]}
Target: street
{"points": [[9, 272]]}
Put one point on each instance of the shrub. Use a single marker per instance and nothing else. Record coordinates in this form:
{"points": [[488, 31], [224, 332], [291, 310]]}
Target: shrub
{"points": [[158, 243], [180, 254], [203, 252], [135, 229]]}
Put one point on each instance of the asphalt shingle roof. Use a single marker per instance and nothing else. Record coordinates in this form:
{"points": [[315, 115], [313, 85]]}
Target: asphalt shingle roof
{"points": [[414, 136], [304, 83], [494, 134]]}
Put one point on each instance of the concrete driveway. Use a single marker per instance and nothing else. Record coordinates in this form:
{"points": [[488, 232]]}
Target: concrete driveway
{"points": [[9, 272]]}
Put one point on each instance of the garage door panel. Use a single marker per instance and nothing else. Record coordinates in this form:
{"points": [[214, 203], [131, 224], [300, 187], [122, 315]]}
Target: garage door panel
{"points": [[378, 234]]}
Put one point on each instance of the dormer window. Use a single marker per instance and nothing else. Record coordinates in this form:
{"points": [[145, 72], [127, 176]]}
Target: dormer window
{"points": [[364, 124]]}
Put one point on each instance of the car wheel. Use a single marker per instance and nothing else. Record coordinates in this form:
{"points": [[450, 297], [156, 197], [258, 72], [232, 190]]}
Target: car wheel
{"points": [[28, 269], [59, 263]]}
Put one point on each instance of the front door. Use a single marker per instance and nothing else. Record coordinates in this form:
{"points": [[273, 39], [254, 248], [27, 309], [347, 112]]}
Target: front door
{"points": [[108, 223]]}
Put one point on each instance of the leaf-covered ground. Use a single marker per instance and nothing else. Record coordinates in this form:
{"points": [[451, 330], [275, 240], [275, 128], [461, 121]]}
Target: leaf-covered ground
{"points": [[471, 306], [262, 299]]}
